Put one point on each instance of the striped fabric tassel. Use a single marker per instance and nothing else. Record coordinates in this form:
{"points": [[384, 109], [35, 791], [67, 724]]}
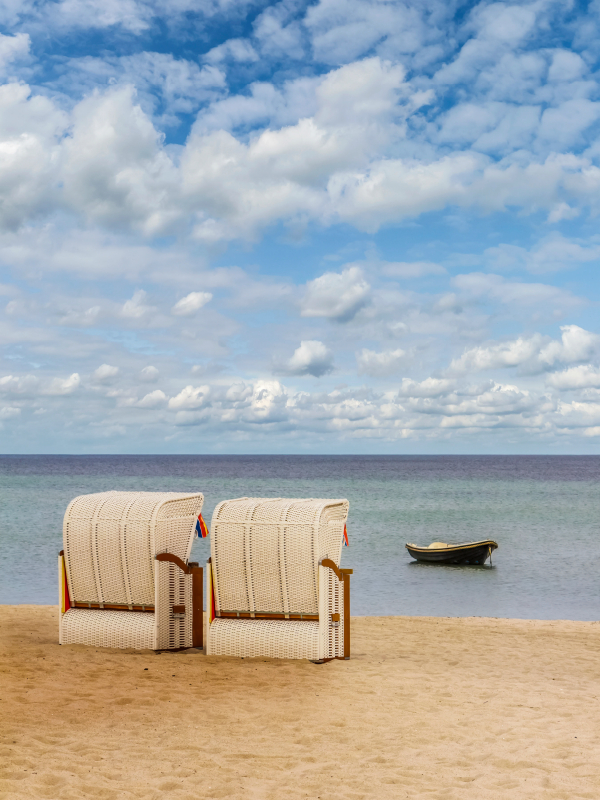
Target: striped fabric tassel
{"points": [[201, 528], [346, 544]]}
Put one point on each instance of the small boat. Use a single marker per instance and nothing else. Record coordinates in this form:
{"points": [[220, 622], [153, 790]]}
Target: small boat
{"points": [[465, 553]]}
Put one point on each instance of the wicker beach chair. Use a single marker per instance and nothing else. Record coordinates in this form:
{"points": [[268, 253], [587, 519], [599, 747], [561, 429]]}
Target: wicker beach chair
{"points": [[274, 584], [124, 575]]}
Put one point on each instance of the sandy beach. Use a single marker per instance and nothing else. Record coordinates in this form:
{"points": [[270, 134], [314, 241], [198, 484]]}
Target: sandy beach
{"points": [[426, 707]]}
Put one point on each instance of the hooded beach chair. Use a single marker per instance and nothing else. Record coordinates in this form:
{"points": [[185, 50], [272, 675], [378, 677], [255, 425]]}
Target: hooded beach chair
{"points": [[124, 575], [274, 584]]}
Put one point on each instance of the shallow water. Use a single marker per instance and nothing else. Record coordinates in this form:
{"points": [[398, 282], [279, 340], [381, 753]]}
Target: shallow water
{"points": [[544, 512]]}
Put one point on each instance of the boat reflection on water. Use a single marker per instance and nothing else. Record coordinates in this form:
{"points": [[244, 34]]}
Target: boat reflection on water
{"points": [[462, 553]]}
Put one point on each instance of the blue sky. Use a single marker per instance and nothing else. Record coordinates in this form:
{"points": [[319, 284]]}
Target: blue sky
{"points": [[337, 226]]}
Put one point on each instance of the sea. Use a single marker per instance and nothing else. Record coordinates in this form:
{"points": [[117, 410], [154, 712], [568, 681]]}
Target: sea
{"points": [[544, 512]]}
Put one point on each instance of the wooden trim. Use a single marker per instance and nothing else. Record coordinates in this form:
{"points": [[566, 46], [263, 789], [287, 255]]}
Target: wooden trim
{"points": [[174, 560], [266, 615], [327, 562], [347, 574], [210, 592], [197, 606], [114, 607], [178, 609]]}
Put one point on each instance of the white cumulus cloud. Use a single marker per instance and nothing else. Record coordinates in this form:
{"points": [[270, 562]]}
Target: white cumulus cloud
{"points": [[381, 364], [105, 373], [191, 303], [152, 399], [63, 386], [311, 358], [583, 376], [336, 295]]}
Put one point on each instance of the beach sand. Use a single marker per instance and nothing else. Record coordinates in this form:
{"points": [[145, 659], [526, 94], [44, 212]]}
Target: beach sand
{"points": [[426, 707]]}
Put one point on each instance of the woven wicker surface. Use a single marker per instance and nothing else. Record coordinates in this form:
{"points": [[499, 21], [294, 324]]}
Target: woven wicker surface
{"points": [[265, 559], [102, 628], [110, 540], [267, 638], [265, 552]]}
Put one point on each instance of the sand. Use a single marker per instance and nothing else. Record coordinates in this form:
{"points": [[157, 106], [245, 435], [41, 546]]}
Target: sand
{"points": [[426, 707]]}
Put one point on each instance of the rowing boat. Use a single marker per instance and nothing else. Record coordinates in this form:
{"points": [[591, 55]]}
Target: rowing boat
{"points": [[464, 553]]}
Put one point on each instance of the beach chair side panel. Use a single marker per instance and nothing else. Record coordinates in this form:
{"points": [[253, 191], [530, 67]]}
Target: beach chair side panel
{"points": [[174, 610]]}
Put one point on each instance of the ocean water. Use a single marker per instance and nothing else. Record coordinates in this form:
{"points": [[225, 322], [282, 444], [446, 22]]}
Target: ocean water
{"points": [[544, 512]]}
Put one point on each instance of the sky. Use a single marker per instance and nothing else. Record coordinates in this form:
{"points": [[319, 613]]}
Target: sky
{"points": [[338, 226]]}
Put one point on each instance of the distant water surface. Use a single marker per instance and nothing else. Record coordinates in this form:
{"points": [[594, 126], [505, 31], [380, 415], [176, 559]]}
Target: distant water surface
{"points": [[544, 511]]}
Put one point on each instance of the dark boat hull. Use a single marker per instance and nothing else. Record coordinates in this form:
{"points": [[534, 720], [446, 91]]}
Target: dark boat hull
{"points": [[470, 553]]}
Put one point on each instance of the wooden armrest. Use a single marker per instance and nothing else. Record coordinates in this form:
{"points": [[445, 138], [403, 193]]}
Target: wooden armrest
{"points": [[187, 568], [327, 562]]}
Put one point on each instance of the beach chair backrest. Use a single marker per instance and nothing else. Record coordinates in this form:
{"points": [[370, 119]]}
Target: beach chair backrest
{"points": [[265, 553], [110, 540]]}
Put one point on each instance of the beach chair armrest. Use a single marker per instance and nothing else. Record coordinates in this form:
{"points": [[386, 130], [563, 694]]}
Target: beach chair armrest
{"points": [[193, 587], [173, 559]]}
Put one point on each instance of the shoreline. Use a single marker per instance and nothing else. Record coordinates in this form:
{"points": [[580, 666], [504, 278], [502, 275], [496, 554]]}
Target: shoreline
{"points": [[446, 707], [376, 616]]}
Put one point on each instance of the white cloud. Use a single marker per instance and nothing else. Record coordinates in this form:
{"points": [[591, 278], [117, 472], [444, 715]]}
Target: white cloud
{"points": [[582, 377], [152, 399], [9, 412], [82, 319], [549, 255], [114, 169], [380, 365], [136, 308], [311, 358], [173, 85], [336, 296], [105, 373], [430, 387], [191, 303], [29, 154], [149, 374], [239, 50], [410, 269], [277, 35], [63, 386], [190, 398], [13, 48], [343, 30], [19, 385], [576, 344], [515, 293], [505, 354]]}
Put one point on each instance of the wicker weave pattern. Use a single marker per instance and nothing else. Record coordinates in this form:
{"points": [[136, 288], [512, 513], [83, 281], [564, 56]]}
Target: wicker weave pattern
{"points": [[101, 628], [266, 638], [111, 538], [331, 601], [265, 553], [110, 541], [173, 587], [265, 559]]}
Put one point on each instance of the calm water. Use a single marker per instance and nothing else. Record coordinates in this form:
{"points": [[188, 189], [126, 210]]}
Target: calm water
{"points": [[543, 511]]}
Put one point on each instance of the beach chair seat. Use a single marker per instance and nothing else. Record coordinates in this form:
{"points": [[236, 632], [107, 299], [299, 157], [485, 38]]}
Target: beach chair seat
{"points": [[124, 576], [275, 588]]}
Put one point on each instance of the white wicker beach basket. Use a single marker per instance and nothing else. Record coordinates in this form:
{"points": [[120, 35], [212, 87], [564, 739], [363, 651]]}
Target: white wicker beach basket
{"points": [[271, 594], [119, 595]]}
